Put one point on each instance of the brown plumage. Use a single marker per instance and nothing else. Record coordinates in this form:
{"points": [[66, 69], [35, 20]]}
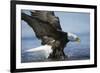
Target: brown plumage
{"points": [[47, 28]]}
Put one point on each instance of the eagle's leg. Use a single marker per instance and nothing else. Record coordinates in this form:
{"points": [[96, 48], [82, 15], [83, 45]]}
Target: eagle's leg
{"points": [[57, 54], [58, 51], [64, 55]]}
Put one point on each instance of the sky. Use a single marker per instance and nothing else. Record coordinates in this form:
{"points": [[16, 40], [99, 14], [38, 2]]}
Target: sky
{"points": [[74, 22]]}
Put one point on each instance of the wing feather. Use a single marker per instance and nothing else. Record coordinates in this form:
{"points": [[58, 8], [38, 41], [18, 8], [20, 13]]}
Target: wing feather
{"points": [[41, 28]]}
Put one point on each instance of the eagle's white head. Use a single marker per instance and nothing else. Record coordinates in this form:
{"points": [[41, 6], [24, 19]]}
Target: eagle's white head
{"points": [[72, 37]]}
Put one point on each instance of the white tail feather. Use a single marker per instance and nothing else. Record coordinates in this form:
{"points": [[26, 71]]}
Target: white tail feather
{"points": [[44, 50]]}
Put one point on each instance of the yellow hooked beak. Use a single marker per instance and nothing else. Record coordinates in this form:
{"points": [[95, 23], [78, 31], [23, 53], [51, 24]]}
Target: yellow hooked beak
{"points": [[78, 40]]}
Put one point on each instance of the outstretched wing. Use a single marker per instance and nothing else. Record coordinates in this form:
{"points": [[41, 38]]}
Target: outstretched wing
{"points": [[47, 16], [47, 28], [41, 27]]}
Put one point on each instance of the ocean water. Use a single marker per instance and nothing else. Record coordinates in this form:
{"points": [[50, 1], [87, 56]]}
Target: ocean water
{"points": [[75, 51]]}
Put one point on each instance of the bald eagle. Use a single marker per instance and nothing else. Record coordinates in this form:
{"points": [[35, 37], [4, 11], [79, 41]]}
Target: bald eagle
{"points": [[47, 28]]}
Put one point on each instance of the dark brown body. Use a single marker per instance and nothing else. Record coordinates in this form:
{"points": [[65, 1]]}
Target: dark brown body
{"points": [[47, 28]]}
